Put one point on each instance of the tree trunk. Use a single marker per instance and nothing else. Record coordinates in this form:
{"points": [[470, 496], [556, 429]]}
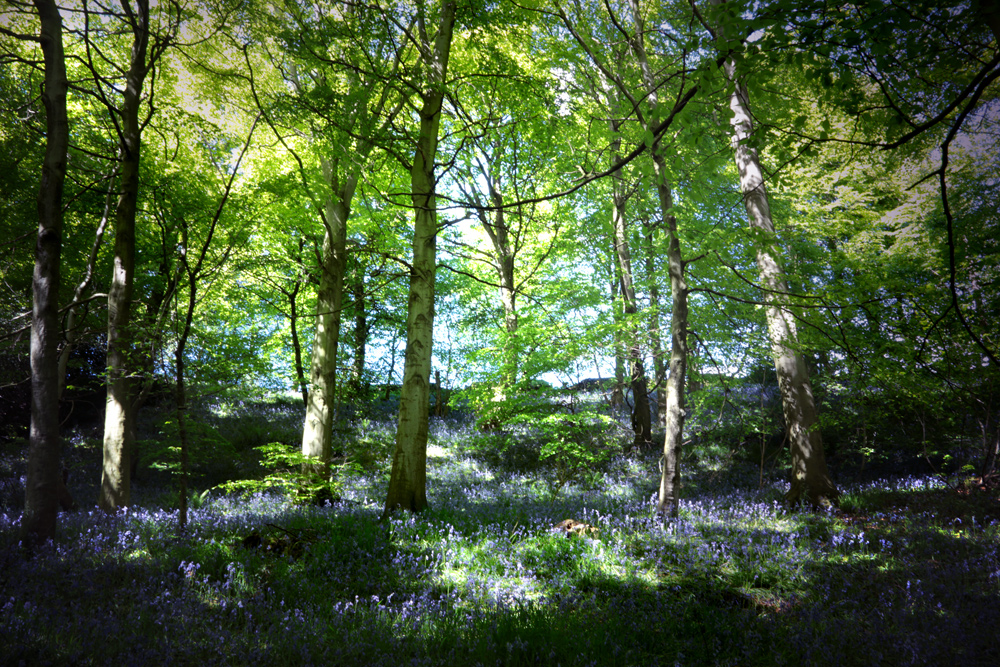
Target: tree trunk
{"points": [[317, 432], [118, 429], [659, 365], [637, 373], [360, 332], [499, 234], [670, 476], [670, 473], [810, 480], [293, 318], [69, 329], [407, 485], [618, 390], [181, 394], [44, 479]]}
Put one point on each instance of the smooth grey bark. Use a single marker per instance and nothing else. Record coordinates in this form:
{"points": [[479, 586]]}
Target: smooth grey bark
{"points": [[670, 476], [119, 414], [408, 481], [810, 480], [44, 479], [341, 174], [670, 473], [317, 432]]}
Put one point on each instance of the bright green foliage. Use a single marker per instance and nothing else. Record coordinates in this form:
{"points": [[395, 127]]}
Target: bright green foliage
{"points": [[292, 472], [576, 447]]}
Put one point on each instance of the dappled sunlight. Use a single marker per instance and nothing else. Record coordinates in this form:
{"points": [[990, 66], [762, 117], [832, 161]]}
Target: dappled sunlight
{"points": [[486, 566]]}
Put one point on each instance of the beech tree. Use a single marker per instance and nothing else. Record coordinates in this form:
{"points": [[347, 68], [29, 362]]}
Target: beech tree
{"points": [[119, 427], [44, 473], [810, 480], [675, 389], [407, 484]]}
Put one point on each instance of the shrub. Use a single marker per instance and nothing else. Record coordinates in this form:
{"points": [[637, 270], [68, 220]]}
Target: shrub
{"points": [[576, 446], [303, 477]]}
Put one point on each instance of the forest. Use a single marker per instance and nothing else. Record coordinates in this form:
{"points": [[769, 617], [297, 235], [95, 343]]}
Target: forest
{"points": [[509, 332]]}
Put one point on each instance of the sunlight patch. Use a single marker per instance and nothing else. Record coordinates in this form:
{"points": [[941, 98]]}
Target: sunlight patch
{"points": [[437, 452]]}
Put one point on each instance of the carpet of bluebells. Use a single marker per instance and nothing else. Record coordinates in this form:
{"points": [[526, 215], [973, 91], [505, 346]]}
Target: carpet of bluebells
{"points": [[906, 573]]}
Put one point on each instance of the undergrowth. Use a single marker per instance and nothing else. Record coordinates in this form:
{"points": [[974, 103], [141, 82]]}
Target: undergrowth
{"points": [[907, 572]]}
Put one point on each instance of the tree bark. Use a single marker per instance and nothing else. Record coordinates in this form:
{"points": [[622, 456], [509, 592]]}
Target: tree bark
{"points": [[119, 415], [670, 473], [637, 373], [630, 338], [358, 385], [44, 479], [499, 234], [810, 480], [342, 175], [670, 476], [293, 319], [618, 390], [317, 432], [407, 484], [655, 340]]}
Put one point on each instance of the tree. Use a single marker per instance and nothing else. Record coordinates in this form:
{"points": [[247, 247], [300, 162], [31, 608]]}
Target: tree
{"points": [[44, 473], [120, 410], [810, 480], [669, 494], [628, 75], [341, 62], [192, 262], [407, 484], [510, 156]]}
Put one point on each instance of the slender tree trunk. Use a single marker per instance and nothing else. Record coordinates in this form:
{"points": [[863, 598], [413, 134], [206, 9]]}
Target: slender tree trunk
{"points": [[499, 234], [182, 406], [656, 343], [637, 373], [360, 331], [194, 273], [407, 485], [119, 415], [810, 480], [44, 475], [317, 433], [293, 318], [670, 475], [69, 330], [618, 390]]}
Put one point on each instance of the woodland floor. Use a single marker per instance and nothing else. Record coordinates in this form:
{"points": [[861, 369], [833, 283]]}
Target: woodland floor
{"points": [[906, 572]]}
